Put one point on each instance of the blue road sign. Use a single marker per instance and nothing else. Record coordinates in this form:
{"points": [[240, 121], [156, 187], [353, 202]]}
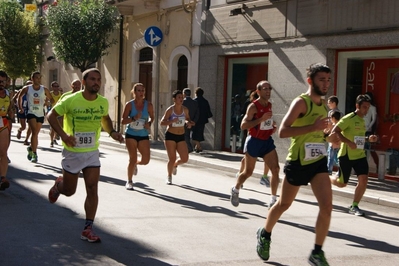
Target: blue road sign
{"points": [[153, 36]]}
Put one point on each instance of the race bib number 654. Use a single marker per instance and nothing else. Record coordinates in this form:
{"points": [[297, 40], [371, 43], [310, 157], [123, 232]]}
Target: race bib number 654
{"points": [[314, 151]]}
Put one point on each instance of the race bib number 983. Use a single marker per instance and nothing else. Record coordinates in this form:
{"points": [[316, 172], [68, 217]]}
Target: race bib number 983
{"points": [[85, 139]]}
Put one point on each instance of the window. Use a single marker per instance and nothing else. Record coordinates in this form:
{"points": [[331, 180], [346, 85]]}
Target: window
{"points": [[145, 54]]}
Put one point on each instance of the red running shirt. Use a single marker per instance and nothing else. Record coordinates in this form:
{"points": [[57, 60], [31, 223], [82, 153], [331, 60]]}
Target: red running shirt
{"points": [[265, 129]]}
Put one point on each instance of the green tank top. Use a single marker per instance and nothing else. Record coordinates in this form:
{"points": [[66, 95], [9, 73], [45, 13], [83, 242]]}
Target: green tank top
{"points": [[310, 147]]}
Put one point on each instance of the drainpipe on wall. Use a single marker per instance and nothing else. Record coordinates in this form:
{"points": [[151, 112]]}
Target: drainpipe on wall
{"points": [[120, 74], [158, 67]]}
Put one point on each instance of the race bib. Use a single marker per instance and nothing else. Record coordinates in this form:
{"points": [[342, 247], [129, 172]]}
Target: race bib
{"points": [[360, 140], [266, 125], [85, 139], [179, 123], [138, 124], [314, 151]]}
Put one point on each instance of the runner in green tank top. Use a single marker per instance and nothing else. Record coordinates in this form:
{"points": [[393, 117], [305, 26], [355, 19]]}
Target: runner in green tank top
{"points": [[351, 130], [306, 162], [86, 112]]}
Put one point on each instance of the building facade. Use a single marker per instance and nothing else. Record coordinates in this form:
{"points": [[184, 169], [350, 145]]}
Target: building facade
{"points": [[247, 41]]}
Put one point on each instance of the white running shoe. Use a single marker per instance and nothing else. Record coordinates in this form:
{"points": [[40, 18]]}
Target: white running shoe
{"points": [[129, 185], [169, 180], [272, 202], [135, 170], [356, 211], [234, 198], [174, 172]]}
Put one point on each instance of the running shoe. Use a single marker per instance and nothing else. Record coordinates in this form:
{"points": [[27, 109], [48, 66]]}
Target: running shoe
{"points": [[234, 198], [30, 153], [263, 245], [52, 144], [55, 142], [53, 194], [129, 185], [19, 134], [8, 159], [356, 211], [264, 180], [318, 259], [272, 202], [135, 171], [90, 236], [169, 180], [174, 172], [26, 143], [4, 183], [34, 158]]}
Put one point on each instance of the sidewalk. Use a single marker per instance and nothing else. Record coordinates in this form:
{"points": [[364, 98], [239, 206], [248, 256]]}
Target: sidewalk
{"points": [[385, 192]]}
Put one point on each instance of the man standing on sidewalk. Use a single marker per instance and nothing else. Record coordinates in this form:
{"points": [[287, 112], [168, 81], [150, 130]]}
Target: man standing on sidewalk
{"points": [[193, 111], [85, 112], [36, 96], [351, 131], [258, 120], [306, 163]]}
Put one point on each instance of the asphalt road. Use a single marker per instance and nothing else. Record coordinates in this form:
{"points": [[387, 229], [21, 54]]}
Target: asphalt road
{"points": [[189, 223]]}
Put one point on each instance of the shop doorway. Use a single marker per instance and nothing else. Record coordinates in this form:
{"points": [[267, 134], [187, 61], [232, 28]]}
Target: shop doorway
{"points": [[243, 73], [373, 71]]}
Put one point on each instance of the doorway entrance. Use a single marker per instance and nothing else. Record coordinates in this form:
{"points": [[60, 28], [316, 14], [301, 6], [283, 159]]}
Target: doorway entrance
{"points": [[145, 71], [243, 73], [372, 71]]}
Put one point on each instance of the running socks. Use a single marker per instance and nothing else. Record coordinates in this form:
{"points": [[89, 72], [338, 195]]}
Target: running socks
{"points": [[266, 235], [89, 223], [316, 250]]}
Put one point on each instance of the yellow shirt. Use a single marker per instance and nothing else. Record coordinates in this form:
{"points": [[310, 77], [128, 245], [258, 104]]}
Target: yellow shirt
{"points": [[56, 97], [4, 105]]}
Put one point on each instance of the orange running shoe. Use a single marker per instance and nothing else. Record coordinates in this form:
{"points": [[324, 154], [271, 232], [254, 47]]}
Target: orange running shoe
{"points": [[90, 236], [53, 194]]}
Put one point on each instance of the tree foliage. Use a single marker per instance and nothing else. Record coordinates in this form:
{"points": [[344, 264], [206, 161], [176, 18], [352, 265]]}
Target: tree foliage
{"points": [[81, 31], [19, 40]]}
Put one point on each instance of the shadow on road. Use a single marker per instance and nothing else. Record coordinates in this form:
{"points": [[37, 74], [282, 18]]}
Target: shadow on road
{"points": [[35, 232], [357, 241]]}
